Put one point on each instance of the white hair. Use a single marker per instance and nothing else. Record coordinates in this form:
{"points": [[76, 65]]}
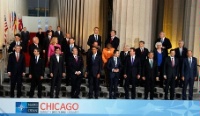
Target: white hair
{"points": [[158, 43]]}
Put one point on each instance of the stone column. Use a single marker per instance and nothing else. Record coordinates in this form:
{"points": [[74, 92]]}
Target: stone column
{"points": [[191, 26], [132, 19]]}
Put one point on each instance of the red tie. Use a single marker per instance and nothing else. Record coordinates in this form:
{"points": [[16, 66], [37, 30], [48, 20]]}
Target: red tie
{"points": [[76, 58], [111, 39]]}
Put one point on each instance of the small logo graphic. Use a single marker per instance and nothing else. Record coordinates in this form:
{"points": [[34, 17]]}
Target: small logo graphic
{"points": [[27, 107]]}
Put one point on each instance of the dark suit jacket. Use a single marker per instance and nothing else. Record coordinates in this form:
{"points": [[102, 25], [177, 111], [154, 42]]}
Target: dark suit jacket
{"points": [[187, 71], [111, 66], [89, 52], [91, 40], [123, 57], [59, 36], [132, 70], [25, 37], [46, 44], [57, 68], [64, 44], [41, 38], [67, 51], [148, 72], [75, 66], [16, 67], [170, 71], [167, 44], [13, 44], [37, 69], [142, 55], [32, 47], [114, 42], [94, 67], [184, 53]]}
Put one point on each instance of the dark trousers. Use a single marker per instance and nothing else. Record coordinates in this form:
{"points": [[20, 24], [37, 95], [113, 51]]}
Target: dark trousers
{"points": [[68, 78], [121, 78], [160, 72], [190, 82], [179, 81], [16, 79], [128, 81], [170, 82], [113, 87], [55, 81], [93, 86], [36, 82], [149, 87], [75, 86]]}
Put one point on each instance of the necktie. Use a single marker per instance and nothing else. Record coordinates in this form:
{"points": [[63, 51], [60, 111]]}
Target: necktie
{"points": [[70, 48], [57, 58], [111, 39], [17, 57], [36, 59], [151, 63], [181, 52], [93, 58], [162, 40], [132, 60], [115, 62], [76, 58], [172, 62], [125, 54], [96, 37], [190, 61]]}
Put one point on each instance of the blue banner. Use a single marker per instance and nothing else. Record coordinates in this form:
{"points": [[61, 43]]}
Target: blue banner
{"points": [[100, 107]]}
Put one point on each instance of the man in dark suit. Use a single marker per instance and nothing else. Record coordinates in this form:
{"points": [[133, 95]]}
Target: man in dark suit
{"points": [[33, 46], [149, 75], [94, 37], [181, 53], [25, 37], [68, 53], [46, 46], [89, 52], [132, 72], [170, 74], [114, 67], [40, 36], [142, 53], [59, 35], [76, 72], [50, 30], [93, 71], [113, 40], [189, 74], [57, 71], [166, 44], [16, 70], [65, 42], [18, 42], [36, 73], [123, 56]]}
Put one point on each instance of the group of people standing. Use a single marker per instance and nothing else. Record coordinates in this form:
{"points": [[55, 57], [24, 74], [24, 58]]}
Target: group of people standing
{"points": [[135, 67]]}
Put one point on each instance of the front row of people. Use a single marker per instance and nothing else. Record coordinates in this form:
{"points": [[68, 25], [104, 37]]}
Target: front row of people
{"points": [[131, 72]]}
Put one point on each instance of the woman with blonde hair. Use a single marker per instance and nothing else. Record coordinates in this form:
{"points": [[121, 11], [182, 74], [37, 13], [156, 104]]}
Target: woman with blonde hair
{"points": [[52, 45]]}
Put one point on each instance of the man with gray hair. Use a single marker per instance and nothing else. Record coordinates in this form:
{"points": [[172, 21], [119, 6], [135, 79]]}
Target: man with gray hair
{"points": [[181, 53], [123, 55]]}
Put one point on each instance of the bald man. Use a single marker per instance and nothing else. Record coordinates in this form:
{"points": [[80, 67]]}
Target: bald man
{"points": [[34, 45]]}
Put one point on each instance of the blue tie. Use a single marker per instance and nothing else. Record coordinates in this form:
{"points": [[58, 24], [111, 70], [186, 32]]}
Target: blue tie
{"points": [[132, 60]]}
